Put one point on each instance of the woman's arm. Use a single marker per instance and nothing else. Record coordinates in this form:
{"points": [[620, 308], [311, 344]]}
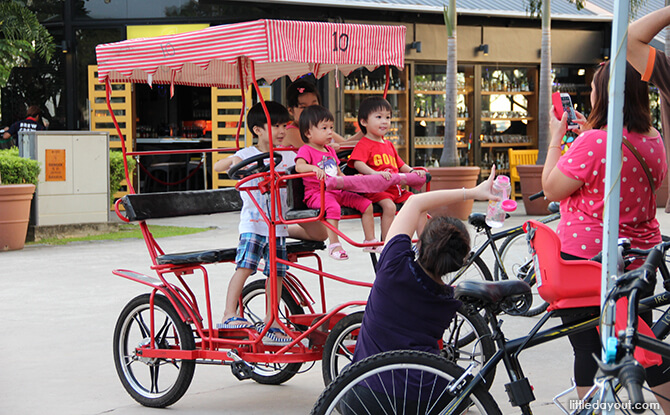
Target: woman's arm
{"points": [[225, 164], [292, 138], [640, 33], [419, 204], [348, 142], [556, 185]]}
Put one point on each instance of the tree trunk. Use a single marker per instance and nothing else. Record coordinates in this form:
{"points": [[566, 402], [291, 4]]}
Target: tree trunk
{"points": [[544, 93], [449, 155]]}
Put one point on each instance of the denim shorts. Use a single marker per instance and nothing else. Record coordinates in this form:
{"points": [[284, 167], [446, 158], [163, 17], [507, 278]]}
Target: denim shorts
{"points": [[254, 247]]}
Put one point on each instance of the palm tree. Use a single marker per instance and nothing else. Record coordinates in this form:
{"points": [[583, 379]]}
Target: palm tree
{"points": [[23, 37], [449, 155]]}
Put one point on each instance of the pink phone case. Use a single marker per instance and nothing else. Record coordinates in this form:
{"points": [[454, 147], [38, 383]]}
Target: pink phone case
{"points": [[558, 105]]}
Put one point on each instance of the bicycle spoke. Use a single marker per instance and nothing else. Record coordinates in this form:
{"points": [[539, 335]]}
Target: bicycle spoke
{"points": [[144, 330], [153, 374], [343, 351]]}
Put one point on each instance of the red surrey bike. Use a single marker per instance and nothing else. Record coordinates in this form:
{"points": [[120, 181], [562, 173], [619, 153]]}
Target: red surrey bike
{"points": [[161, 335]]}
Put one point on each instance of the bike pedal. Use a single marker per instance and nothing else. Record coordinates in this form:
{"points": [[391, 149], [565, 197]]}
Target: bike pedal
{"points": [[241, 370]]}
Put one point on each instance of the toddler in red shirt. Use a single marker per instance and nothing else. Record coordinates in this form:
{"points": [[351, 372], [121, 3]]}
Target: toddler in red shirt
{"points": [[375, 155]]}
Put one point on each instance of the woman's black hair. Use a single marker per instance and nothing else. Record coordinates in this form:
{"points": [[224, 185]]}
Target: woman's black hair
{"points": [[444, 245], [636, 113], [298, 88], [370, 105], [311, 117], [256, 116]]}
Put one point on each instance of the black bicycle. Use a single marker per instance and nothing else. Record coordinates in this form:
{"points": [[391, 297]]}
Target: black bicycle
{"points": [[422, 383], [511, 260]]}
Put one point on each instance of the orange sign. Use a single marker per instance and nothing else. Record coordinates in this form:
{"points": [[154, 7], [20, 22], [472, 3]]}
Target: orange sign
{"points": [[55, 166]]}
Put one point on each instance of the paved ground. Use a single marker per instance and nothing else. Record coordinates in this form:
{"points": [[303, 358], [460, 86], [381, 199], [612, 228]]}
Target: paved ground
{"points": [[60, 304]]}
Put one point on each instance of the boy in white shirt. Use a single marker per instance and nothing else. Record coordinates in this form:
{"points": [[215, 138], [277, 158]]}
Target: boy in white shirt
{"points": [[253, 244]]}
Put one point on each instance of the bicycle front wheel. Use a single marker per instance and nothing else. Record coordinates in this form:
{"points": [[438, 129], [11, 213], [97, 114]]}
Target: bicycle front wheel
{"points": [[518, 263], [154, 382], [400, 382]]}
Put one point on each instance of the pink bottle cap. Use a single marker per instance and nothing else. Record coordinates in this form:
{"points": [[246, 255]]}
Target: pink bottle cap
{"points": [[508, 205]]}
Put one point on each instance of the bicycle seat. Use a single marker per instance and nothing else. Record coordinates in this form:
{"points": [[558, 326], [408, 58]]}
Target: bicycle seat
{"points": [[505, 294], [478, 220]]}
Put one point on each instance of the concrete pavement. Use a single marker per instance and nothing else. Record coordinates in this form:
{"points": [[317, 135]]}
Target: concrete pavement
{"points": [[60, 305]]}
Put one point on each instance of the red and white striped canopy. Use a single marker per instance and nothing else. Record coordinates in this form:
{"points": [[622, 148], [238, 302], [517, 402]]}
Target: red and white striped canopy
{"points": [[223, 55]]}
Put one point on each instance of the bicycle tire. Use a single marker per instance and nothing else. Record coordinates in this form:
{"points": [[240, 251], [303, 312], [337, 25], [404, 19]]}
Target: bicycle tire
{"points": [[256, 288], [254, 311], [338, 351], [467, 338], [517, 261], [431, 372], [132, 331]]}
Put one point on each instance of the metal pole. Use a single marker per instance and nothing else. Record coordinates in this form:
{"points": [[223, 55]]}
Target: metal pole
{"points": [[612, 175]]}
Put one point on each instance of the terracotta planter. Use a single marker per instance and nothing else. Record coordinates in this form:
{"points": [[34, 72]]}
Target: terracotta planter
{"points": [[14, 215], [531, 183], [454, 178]]}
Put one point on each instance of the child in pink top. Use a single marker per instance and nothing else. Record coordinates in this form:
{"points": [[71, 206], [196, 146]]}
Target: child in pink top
{"points": [[316, 129]]}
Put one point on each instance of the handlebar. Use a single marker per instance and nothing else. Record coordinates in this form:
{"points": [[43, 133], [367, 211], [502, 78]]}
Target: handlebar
{"points": [[632, 377], [536, 195]]}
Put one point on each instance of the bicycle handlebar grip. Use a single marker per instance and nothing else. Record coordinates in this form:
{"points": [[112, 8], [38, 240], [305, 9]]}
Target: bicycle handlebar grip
{"points": [[536, 195], [631, 376], [654, 260]]}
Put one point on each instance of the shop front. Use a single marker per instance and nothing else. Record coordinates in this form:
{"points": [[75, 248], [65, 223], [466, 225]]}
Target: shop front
{"points": [[497, 101]]}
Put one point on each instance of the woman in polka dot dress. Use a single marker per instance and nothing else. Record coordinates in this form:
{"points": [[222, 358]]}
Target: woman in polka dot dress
{"points": [[577, 180]]}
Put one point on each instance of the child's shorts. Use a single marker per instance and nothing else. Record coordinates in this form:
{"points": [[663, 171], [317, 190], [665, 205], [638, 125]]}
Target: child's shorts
{"points": [[254, 247], [396, 193]]}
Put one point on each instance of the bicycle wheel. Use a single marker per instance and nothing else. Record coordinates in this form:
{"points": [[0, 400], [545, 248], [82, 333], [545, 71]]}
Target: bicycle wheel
{"points": [[338, 351], [399, 382], [468, 338], [518, 262], [476, 271], [139, 375], [254, 303]]}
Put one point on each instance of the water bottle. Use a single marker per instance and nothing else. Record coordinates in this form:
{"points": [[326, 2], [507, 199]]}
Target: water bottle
{"points": [[496, 211]]}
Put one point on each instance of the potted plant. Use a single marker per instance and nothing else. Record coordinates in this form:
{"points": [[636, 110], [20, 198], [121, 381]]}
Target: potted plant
{"points": [[450, 175], [18, 178]]}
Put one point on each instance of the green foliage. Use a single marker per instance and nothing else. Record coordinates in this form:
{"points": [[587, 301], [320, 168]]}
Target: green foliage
{"points": [[17, 170], [22, 38], [116, 171], [17, 22]]}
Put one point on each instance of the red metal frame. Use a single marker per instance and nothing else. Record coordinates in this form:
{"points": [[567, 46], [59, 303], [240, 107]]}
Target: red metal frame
{"points": [[247, 342]]}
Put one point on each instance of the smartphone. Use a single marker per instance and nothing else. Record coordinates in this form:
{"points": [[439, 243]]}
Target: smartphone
{"points": [[562, 103]]}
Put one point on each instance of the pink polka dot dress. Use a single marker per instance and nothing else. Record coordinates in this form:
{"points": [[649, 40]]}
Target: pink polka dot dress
{"points": [[581, 227]]}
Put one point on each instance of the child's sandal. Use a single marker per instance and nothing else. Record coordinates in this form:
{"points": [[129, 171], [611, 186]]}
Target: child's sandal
{"points": [[339, 255], [373, 249]]}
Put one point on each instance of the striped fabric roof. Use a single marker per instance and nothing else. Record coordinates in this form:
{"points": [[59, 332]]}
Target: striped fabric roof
{"points": [[232, 55]]}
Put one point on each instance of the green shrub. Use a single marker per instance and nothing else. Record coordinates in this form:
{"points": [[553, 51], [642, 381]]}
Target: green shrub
{"points": [[17, 170], [116, 172]]}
